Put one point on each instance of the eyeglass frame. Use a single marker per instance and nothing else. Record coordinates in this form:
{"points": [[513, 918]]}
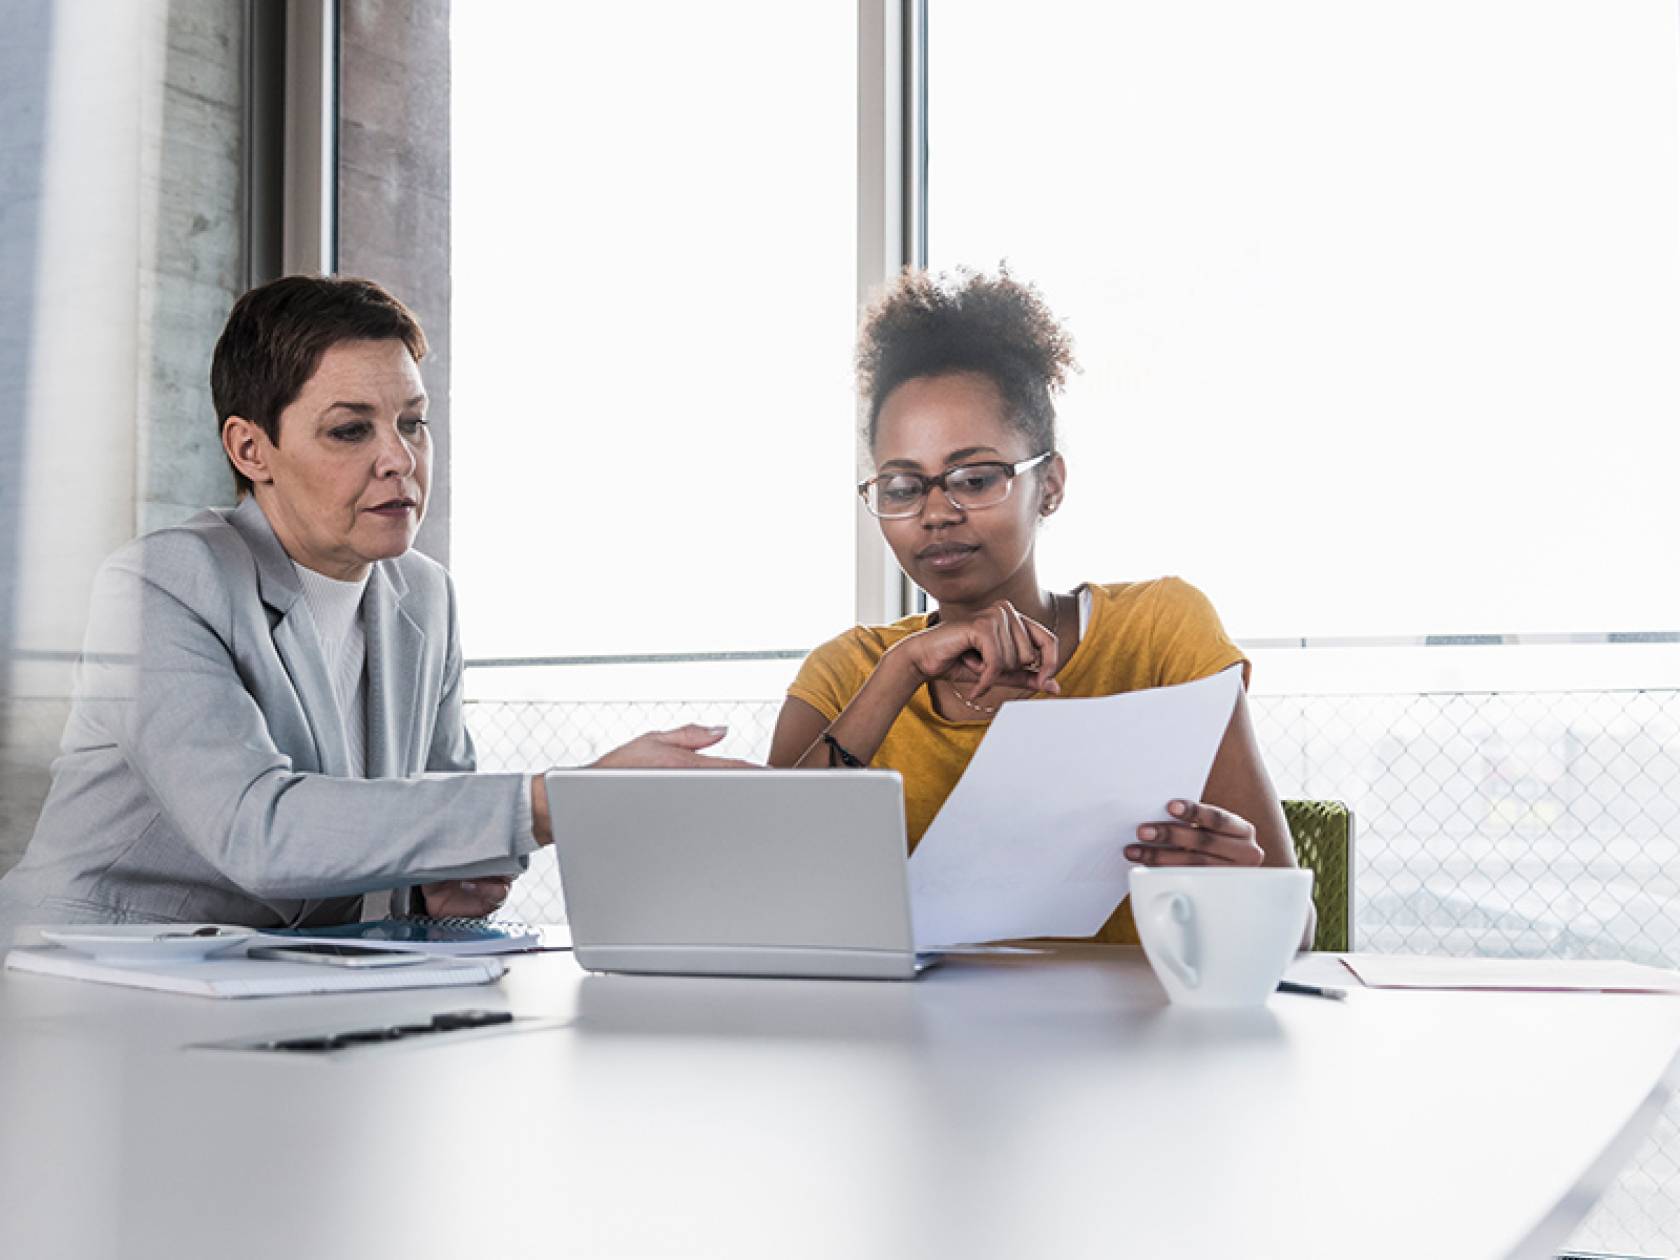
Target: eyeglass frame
{"points": [[928, 484]]}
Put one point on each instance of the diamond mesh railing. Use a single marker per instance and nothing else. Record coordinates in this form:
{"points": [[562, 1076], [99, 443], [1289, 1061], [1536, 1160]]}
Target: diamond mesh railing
{"points": [[1513, 824], [1522, 825]]}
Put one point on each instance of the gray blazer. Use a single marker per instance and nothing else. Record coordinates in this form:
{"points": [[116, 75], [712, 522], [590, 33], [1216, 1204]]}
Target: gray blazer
{"points": [[203, 773]]}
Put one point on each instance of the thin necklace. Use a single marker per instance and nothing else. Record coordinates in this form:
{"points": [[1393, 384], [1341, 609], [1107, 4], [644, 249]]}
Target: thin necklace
{"points": [[990, 710]]}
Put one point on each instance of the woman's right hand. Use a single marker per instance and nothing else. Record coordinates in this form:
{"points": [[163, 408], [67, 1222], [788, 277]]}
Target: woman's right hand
{"points": [[996, 647]]}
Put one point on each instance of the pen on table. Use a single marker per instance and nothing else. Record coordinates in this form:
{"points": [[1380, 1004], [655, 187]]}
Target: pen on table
{"points": [[1312, 990]]}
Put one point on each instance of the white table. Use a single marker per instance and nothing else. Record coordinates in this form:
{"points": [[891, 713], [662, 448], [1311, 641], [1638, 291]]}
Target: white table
{"points": [[1043, 1107]]}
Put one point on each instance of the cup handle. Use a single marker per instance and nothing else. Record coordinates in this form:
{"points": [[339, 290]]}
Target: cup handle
{"points": [[1176, 908]]}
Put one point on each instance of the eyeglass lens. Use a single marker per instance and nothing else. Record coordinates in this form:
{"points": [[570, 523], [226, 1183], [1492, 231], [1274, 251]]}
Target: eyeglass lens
{"points": [[971, 486]]}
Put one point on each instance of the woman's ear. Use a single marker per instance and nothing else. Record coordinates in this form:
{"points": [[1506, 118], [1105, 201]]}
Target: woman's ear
{"points": [[1053, 485], [247, 448]]}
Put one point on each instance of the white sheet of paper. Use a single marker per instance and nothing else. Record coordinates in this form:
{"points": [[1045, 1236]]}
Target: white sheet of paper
{"points": [[1031, 840], [1388, 971]]}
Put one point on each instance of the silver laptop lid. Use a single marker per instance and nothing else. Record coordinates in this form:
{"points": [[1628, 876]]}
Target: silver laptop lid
{"points": [[749, 872]]}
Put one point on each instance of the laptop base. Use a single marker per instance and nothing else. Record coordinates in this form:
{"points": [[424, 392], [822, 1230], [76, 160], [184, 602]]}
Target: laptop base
{"points": [[755, 960]]}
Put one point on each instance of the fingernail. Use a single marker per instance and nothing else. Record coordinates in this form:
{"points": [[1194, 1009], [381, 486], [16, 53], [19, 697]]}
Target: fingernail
{"points": [[468, 886], [1146, 833], [1133, 852], [1176, 809]]}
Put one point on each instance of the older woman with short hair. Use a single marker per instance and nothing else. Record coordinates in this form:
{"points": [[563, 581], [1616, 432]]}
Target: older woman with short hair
{"points": [[267, 720]]}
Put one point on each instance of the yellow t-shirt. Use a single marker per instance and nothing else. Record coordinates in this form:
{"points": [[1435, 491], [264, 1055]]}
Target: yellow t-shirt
{"points": [[1141, 634]]}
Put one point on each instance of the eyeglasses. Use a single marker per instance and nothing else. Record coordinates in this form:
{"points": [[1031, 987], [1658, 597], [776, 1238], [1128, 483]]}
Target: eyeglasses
{"points": [[968, 487]]}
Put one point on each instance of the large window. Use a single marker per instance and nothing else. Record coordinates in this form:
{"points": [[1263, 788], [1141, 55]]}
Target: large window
{"points": [[1378, 303], [654, 298]]}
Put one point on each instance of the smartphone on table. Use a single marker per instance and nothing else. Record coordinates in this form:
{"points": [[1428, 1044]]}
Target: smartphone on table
{"points": [[331, 955]]}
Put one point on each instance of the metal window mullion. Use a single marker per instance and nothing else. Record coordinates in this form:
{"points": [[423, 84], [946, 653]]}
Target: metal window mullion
{"points": [[263, 137], [913, 72], [892, 231], [291, 138], [309, 215]]}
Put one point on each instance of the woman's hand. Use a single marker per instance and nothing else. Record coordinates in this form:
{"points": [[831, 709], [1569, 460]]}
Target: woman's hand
{"points": [[466, 898], [1197, 835], [678, 749], [996, 647]]}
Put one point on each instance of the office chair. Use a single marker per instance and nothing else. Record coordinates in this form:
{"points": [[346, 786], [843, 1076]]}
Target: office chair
{"points": [[1323, 833]]}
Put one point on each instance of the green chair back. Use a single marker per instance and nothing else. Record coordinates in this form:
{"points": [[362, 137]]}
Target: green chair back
{"points": [[1323, 832]]}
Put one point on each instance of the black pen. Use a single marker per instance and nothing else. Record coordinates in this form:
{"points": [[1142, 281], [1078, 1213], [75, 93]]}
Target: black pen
{"points": [[1312, 990]]}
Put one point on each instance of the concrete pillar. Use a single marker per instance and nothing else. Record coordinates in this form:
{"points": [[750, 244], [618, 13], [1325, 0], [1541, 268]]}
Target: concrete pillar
{"points": [[193, 267], [393, 191]]}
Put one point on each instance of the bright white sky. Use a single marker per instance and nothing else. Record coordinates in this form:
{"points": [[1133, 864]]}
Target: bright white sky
{"points": [[654, 302], [1378, 302]]}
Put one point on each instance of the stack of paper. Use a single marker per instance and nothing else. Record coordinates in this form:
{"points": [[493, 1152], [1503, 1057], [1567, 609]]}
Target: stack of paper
{"points": [[237, 976], [1382, 971]]}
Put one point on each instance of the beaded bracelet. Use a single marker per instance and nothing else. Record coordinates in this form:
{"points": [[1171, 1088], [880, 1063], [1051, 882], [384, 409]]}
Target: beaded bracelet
{"points": [[837, 751]]}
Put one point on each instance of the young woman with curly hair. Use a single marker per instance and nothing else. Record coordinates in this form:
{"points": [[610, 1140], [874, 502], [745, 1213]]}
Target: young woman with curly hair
{"points": [[960, 375]]}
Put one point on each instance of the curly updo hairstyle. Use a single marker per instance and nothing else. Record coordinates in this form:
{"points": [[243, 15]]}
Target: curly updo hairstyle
{"points": [[929, 325]]}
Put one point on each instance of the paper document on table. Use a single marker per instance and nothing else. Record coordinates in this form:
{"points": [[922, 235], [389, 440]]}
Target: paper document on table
{"points": [[1380, 971], [235, 976], [1031, 841]]}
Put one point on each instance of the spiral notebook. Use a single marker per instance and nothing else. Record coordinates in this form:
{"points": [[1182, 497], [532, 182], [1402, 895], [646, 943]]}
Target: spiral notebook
{"points": [[443, 937]]}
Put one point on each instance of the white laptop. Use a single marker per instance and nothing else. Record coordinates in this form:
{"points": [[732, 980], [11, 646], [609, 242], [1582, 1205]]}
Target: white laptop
{"points": [[735, 872]]}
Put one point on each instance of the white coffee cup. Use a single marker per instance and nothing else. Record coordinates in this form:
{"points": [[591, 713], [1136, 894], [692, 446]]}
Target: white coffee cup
{"points": [[1220, 935]]}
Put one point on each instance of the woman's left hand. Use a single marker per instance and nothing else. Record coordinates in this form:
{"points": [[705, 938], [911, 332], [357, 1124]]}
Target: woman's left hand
{"points": [[466, 898], [1197, 835]]}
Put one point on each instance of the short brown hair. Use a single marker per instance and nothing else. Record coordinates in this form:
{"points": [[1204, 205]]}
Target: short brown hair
{"points": [[927, 325], [275, 337]]}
